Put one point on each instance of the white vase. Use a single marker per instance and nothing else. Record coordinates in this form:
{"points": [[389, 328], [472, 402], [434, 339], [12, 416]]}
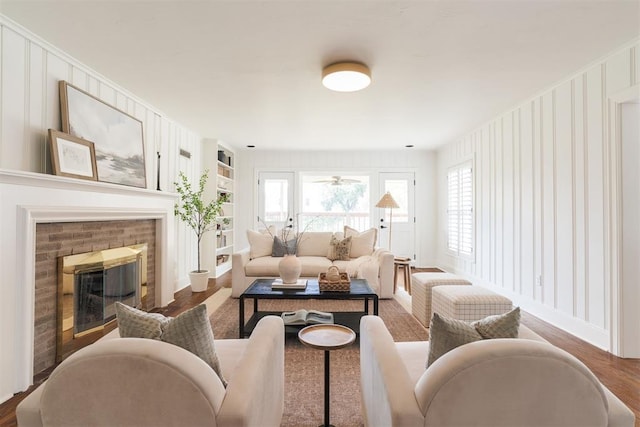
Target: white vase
{"points": [[290, 268], [199, 280]]}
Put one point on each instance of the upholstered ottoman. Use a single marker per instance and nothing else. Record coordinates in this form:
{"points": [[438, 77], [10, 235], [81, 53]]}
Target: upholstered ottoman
{"points": [[421, 287], [468, 303]]}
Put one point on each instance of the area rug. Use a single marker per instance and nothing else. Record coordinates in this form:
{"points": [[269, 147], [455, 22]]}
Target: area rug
{"points": [[304, 367]]}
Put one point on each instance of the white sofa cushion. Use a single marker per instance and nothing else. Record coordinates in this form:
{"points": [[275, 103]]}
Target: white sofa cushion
{"points": [[266, 266], [260, 244], [412, 355], [314, 265], [314, 243], [362, 243]]}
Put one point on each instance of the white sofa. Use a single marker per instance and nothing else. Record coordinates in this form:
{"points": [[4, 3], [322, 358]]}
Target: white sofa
{"points": [[500, 382], [145, 382], [376, 267]]}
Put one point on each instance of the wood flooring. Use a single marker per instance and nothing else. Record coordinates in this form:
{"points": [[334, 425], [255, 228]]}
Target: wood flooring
{"points": [[621, 376]]}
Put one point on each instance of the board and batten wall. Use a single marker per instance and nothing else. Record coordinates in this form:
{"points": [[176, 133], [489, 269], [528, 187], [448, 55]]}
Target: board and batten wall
{"points": [[420, 162], [29, 106], [543, 184]]}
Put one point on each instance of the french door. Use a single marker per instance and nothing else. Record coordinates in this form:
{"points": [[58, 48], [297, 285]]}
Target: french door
{"points": [[399, 223], [275, 200]]}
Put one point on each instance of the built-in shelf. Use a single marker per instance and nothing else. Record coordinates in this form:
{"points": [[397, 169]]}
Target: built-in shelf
{"points": [[225, 232]]}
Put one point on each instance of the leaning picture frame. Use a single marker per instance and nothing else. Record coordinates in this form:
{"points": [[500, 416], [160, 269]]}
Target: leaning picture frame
{"points": [[117, 136], [72, 156]]}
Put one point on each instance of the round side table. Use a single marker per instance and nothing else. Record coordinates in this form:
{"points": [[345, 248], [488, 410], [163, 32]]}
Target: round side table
{"points": [[326, 337]]}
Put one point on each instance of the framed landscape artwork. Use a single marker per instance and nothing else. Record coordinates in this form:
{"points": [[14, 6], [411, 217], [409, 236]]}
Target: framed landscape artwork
{"points": [[117, 136], [71, 156]]}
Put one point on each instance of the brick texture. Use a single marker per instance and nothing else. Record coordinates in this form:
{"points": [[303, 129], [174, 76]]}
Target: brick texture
{"points": [[54, 240]]}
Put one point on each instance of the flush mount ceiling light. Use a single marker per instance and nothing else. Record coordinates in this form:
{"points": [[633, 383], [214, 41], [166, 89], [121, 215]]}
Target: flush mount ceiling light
{"points": [[346, 76]]}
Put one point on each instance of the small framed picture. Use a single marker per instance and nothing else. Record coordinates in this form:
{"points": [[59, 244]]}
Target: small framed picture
{"points": [[72, 156]]}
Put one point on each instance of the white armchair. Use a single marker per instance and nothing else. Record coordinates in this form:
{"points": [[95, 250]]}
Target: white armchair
{"points": [[145, 382], [521, 381]]}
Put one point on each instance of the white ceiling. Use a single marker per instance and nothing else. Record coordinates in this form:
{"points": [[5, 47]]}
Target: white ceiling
{"points": [[248, 72]]}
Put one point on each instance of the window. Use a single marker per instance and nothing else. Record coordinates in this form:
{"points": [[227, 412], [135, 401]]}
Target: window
{"points": [[460, 210], [331, 202]]}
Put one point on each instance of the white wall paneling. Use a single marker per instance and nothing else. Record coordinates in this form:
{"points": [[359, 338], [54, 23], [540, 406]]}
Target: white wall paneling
{"points": [[30, 69], [29, 105], [547, 200]]}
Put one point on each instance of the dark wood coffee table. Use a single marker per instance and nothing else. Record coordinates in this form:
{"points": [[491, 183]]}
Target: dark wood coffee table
{"points": [[261, 289]]}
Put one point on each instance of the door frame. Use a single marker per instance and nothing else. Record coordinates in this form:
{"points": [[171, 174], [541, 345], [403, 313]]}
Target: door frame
{"points": [[615, 295], [410, 176]]}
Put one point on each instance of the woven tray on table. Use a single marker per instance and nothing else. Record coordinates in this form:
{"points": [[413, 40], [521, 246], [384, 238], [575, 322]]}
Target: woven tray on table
{"points": [[344, 285]]}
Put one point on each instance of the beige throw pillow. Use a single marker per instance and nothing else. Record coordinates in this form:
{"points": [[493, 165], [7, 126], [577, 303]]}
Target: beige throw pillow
{"points": [[362, 243], [500, 325], [190, 330], [445, 334], [339, 249], [260, 244], [134, 323]]}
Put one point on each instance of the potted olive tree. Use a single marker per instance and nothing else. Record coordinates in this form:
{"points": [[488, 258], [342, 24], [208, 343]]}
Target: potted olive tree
{"points": [[200, 216]]}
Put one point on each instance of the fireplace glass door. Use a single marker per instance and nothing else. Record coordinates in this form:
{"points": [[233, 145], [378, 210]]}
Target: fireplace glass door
{"points": [[98, 290], [89, 285]]}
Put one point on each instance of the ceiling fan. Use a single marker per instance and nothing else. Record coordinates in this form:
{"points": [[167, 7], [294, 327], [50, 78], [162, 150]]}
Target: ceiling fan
{"points": [[338, 180]]}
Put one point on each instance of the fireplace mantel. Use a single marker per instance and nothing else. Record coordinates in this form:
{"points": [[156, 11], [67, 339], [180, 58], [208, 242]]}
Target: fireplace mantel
{"points": [[59, 182], [29, 198]]}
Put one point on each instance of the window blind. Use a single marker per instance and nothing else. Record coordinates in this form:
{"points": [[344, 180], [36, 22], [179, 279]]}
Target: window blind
{"points": [[460, 210]]}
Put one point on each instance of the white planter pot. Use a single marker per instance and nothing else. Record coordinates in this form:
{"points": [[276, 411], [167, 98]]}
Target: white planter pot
{"points": [[199, 280], [290, 268]]}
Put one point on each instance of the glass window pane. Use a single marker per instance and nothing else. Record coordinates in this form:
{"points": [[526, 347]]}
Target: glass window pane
{"points": [[331, 202], [399, 189], [276, 200]]}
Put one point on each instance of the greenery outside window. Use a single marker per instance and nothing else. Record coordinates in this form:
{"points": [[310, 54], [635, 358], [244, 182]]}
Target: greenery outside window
{"points": [[331, 202]]}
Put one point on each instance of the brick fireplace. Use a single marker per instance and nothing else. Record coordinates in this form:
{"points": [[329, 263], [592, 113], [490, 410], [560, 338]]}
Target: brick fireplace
{"points": [[43, 216], [54, 240]]}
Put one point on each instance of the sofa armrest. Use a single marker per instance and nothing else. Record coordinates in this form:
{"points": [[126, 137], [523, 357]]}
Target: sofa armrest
{"points": [[255, 394], [238, 277], [388, 397], [385, 263], [618, 413], [28, 412]]}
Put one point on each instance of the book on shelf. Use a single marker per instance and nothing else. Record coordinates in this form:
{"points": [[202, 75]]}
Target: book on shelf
{"points": [[306, 317], [278, 284]]}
